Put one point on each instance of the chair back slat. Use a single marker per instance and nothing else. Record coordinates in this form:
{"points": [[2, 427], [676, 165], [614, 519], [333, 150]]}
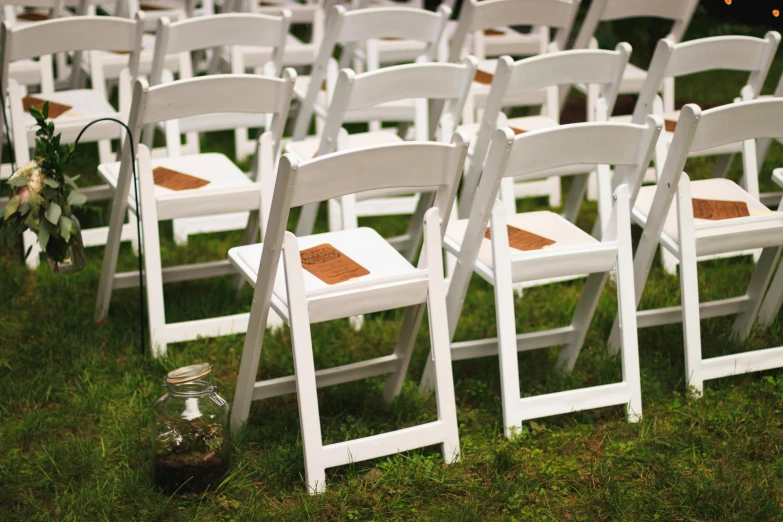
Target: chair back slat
{"points": [[667, 9], [436, 81], [737, 122], [577, 144], [225, 93], [738, 53], [205, 32], [76, 33], [416, 165], [390, 22]]}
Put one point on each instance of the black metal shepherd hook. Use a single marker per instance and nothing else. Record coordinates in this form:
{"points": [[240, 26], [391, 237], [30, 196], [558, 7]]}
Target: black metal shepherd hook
{"points": [[142, 321]]}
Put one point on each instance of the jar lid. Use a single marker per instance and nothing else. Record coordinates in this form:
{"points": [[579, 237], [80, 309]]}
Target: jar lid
{"points": [[188, 373]]}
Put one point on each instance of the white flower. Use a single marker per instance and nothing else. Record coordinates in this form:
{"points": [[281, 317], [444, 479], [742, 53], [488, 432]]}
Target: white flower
{"points": [[32, 172]]}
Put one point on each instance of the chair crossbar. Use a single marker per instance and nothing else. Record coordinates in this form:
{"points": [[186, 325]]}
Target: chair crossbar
{"points": [[572, 400], [384, 444], [328, 377], [212, 327], [173, 274], [525, 342], [708, 310], [739, 363]]}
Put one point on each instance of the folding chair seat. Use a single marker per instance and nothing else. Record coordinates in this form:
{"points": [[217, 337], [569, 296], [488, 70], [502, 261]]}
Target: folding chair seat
{"points": [[740, 53], [385, 280], [534, 246], [687, 232], [203, 184], [347, 29], [478, 17], [425, 84], [599, 69], [64, 35]]}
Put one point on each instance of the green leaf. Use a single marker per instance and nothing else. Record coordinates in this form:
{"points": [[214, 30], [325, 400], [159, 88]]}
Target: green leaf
{"points": [[18, 181], [43, 237], [49, 182], [71, 181], [76, 199], [36, 113], [29, 249], [32, 221], [53, 212], [11, 207], [24, 208], [65, 228], [46, 110]]}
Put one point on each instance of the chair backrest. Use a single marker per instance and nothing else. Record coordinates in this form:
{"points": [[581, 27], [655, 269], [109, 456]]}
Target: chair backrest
{"points": [[422, 166], [590, 67], [215, 31], [737, 53], [77, 33], [428, 81], [346, 28], [216, 94], [478, 15], [679, 12]]}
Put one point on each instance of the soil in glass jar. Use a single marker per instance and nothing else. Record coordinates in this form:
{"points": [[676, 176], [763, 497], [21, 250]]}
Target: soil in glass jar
{"points": [[185, 473]]}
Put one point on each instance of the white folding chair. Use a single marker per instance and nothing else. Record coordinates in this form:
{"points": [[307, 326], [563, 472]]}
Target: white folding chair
{"points": [[41, 40], [384, 280], [600, 70], [370, 94], [208, 184], [686, 237], [180, 39], [346, 28], [485, 15], [532, 246], [739, 53], [679, 12]]}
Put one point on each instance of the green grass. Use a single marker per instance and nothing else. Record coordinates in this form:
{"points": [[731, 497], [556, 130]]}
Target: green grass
{"points": [[76, 396]]}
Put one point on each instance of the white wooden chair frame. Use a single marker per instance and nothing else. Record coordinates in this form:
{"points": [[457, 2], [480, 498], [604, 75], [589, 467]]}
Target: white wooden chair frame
{"points": [[249, 93], [596, 68], [370, 91], [628, 146], [696, 132], [347, 28], [421, 165], [41, 40], [670, 60], [476, 17]]}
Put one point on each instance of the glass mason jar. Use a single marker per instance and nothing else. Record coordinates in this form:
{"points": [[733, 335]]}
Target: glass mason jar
{"points": [[76, 257], [190, 429]]}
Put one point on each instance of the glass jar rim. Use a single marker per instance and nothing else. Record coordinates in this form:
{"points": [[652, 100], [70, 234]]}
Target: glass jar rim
{"points": [[188, 373]]}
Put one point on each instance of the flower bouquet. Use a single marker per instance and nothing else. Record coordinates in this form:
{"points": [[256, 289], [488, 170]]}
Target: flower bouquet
{"points": [[43, 200]]}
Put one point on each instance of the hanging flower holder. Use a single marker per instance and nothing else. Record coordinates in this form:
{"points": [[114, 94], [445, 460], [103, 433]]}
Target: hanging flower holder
{"points": [[43, 201]]}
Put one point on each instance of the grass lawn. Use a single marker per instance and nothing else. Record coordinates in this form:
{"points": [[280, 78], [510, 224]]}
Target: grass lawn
{"points": [[76, 397]]}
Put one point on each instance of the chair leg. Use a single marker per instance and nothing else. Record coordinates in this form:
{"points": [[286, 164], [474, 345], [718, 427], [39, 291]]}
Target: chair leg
{"points": [[304, 370], [575, 197], [691, 321], [722, 164], [153, 272], [307, 220], [626, 313], [249, 237], [403, 350], [758, 285], [110, 253], [772, 302], [581, 321]]}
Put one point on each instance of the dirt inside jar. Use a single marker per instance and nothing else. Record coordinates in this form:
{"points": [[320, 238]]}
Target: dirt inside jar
{"points": [[187, 473]]}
